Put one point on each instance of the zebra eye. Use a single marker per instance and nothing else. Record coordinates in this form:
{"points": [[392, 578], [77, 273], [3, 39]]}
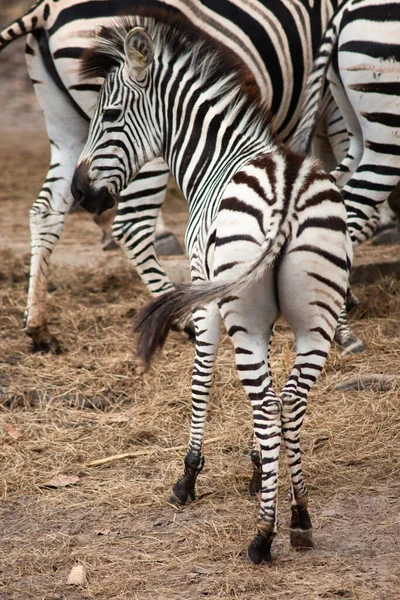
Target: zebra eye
{"points": [[112, 114]]}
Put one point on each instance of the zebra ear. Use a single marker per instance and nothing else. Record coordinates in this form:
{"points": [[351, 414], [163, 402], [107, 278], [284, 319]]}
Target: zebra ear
{"points": [[139, 52]]}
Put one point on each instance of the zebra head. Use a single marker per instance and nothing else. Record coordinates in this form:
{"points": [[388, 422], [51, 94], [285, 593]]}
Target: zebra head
{"points": [[122, 136]]}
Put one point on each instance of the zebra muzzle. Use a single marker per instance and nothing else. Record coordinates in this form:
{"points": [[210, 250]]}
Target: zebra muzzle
{"points": [[91, 199]]}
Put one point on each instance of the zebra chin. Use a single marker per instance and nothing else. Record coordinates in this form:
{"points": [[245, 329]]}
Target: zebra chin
{"points": [[91, 199]]}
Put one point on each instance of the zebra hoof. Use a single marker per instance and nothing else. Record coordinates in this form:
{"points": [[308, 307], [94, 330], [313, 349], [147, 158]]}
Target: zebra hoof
{"points": [[167, 244], [182, 499], [386, 236], [259, 551], [353, 345], [301, 539], [43, 341]]}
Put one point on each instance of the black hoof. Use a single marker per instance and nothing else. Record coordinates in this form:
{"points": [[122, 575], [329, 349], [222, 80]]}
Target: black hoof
{"points": [[51, 346], [301, 539], [167, 244], [183, 491], [259, 551], [351, 346], [43, 341], [386, 236], [182, 499]]}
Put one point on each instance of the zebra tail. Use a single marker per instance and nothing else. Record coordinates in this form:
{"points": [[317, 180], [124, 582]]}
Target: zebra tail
{"points": [[33, 19], [154, 321], [302, 138]]}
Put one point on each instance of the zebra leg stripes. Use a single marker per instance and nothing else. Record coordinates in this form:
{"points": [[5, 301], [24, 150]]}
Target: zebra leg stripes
{"points": [[207, 323]]}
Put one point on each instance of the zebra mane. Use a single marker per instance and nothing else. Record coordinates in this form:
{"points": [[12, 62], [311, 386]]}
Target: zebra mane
{"points": [[175, 34]]}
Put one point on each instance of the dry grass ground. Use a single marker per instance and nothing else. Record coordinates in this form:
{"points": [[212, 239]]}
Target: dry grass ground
{"points": [[59, 413]]}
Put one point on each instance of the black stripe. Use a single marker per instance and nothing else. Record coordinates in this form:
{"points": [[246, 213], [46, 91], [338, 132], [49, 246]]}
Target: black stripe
{"points": [[327, 282], [221, 241], [326, 307], [224, 267], [252, 182], [387, 119], [46, 12], [21, 25], [393, 149], [372, 49], [336, 260], [29, 50], [86, 87], [234, 329], [332, 223], [43, 43], [238, 206], [388, 88], [363, 184], [322, 332], [242, 351], [250, 367], [378, 169], [68, 52]]}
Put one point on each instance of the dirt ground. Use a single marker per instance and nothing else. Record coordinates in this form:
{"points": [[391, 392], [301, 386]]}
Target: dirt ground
{"points": [[59, 413]]}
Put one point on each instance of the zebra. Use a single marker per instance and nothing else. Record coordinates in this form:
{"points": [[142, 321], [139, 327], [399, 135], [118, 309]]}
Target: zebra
{"points": [[360, 57], [275, 41], [266, 231]]}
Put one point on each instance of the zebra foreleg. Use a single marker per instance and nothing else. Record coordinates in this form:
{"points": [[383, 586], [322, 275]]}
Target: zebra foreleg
{"points": [[47, 217], [135, 228], [67, 131], [208, 332]]}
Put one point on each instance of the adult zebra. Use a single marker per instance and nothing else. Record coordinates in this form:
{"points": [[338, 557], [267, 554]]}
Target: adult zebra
{"points": [[266, 231], [276, 40], [360, 55]]}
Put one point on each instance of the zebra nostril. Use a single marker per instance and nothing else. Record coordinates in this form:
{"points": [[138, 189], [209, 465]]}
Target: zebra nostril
{"points": [[77, 194], [77, 187]]}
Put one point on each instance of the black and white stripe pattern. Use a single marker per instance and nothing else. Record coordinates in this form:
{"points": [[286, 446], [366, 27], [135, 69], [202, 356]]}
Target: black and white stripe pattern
{"points": [[276, 41], [266, 232], [360, 56]]}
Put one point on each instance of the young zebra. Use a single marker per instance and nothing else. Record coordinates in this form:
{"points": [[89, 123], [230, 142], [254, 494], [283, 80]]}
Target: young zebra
{"points": [[360, 56], [266, 232], [276, 40]]}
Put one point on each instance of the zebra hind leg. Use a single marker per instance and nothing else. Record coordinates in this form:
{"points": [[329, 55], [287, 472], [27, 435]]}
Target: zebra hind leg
{"points": [[310, 359], [249, 319], [346, 339], [256, 479], [208, 331]]}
